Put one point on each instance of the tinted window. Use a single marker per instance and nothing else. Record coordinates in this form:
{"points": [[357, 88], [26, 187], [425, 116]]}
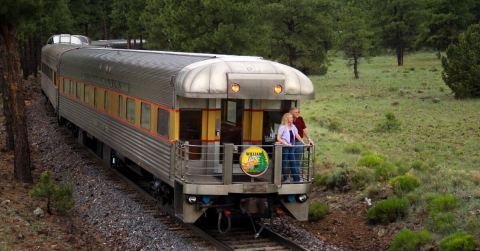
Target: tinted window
{"points": [[130, 110], [162, 122], [86, 97], [77, 94], [95, 96], [72, 87], [145, 116], [105, 100], [120, 106]]}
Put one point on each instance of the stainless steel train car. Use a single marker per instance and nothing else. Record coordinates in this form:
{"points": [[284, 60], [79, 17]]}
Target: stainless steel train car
{"points": [[202, 125]]}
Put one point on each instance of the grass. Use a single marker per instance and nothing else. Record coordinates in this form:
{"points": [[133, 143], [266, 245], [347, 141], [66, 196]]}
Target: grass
{"points": [[438, 135]]}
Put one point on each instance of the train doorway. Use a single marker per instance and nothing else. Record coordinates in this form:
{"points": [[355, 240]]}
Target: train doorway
{"points": [[231, 130]]}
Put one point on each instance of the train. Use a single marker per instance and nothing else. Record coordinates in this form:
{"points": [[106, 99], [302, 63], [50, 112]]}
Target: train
{"points": [[201, 126]]}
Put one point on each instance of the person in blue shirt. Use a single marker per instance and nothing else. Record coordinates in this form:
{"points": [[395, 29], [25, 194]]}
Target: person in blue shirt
{"points": [[287, 136]]}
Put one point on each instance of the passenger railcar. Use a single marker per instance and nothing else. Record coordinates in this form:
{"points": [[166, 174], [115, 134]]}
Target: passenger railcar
{"points": [[193, 121]]}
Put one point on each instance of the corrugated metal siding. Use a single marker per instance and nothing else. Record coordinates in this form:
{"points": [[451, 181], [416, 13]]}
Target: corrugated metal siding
{"points": [[147, 151], [49, 90], [143, 74]]}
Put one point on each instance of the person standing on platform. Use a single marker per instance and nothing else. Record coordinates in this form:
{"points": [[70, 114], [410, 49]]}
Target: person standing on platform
{"points": [[303, 132]]}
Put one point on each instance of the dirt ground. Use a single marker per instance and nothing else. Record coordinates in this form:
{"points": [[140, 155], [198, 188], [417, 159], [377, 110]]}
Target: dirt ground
{"points": [[20, 229], [346, 225]]}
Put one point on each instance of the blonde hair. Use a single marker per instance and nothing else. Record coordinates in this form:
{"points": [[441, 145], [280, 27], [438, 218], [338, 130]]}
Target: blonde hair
{"points": [[285, 118]]}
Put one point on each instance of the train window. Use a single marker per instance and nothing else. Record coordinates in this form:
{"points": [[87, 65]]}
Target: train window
{"points": [[120, 106], [86, 97], [232, 112], [131, 110], [72, 88], [64, 86], [145, 116], [162, 122], [77, 93], [95, 96], [105, 100]]}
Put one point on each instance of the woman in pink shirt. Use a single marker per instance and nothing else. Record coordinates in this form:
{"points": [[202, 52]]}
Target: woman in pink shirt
{"points": [[287, 134]]}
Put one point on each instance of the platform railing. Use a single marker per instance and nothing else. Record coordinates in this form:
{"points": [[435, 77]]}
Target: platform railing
{"points": [[220, 164]]}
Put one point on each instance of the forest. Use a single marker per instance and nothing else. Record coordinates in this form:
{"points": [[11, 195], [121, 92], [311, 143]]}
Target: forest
{"points": [[395, 117], [299, 33]]}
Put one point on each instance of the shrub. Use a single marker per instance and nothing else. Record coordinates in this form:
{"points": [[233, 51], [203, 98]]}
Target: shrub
{"points": [[442, 222], [459, 241], [385, 171], [413, 197], [353, 149], [338, 179], [441, 203], [333, 125], [460, 66], [58, 195], [371, 160], [419, 165], [407, 240], [360, 177], [377, 191], [317, 211], [404, 184], [402, 167], [390, 124], [320, 179], [388, 210]]}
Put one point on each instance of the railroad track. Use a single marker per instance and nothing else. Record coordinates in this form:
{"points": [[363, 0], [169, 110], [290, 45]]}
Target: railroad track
{"points": [[203, 239]]}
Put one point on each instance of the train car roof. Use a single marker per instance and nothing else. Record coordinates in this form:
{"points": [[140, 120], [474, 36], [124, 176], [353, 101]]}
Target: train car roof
{"points": [[51, 54], [195, 75]]}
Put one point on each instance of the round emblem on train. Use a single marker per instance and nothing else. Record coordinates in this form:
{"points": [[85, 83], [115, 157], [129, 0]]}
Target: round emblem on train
{"points": [[254, 161]]}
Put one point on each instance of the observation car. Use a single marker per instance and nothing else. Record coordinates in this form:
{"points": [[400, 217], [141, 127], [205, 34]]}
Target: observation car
{"points": [[202, 126]]}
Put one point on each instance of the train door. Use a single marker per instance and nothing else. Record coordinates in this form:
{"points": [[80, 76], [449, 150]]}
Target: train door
{"points": [[232, 121]]}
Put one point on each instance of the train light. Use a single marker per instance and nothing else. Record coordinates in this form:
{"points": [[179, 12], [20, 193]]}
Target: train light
{"points": [[278, 89], [205, 199], [291, 198], [235, 87], [302, 198], [192, 199]]}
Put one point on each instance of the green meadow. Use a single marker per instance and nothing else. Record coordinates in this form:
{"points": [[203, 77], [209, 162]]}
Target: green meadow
{"points": [[431, 128]]}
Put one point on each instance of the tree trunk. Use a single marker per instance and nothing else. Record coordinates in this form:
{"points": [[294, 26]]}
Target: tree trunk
{"points": [[31, 52], [37, 49], [400, 56], [24, 60], [129, 43], [85, 27], [9, 143], [12, 78], [141, 42], [355, 66]]}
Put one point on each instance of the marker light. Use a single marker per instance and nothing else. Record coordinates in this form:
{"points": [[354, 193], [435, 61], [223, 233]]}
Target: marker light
{"points": [[235, 87], [278, 89], [302, 198], [192, 199]]}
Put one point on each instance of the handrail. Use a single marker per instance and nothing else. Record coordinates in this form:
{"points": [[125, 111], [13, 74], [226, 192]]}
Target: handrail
{"points": [[219, 164]]}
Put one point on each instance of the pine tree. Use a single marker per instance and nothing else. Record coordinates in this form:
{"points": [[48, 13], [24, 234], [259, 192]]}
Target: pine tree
{"points": [[461, 65]]}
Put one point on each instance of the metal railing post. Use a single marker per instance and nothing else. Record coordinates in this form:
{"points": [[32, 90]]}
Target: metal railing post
{"points": [[311, 154], [227, 164], [186, 152], [277, 168]]}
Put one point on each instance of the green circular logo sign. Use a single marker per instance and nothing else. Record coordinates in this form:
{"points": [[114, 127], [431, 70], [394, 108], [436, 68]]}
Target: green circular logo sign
{"points": [[254, 161]]}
